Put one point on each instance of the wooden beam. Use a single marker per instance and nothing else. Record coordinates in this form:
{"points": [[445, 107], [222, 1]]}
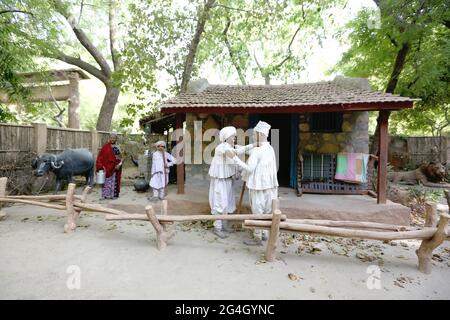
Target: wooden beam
{"points": [[289, 109], [179, 118], [183, 218], [424, 233], [43, 93], [383, 156]]}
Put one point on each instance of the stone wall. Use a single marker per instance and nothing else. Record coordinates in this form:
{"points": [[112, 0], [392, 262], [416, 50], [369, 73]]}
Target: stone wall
{"points": [[354, 136], [197, 170]]}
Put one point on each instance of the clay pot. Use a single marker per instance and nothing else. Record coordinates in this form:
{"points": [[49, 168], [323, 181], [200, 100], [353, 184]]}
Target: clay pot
{"points": [[141, 185]]}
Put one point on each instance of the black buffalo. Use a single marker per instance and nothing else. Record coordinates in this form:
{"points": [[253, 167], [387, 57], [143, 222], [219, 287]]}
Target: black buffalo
{"points": [[66, 165]]}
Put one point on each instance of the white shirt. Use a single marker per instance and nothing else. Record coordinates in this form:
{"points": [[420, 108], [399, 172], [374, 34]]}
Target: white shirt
{"points": [[260, 171], [223, 167]]}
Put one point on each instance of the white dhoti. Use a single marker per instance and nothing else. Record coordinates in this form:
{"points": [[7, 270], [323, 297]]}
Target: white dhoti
{"points": [[261, 203], [221, 198], [158, 184]]}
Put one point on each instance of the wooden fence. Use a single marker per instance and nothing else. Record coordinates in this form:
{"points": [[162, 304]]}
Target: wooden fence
{"points": [[413, 151], [18, 142]]}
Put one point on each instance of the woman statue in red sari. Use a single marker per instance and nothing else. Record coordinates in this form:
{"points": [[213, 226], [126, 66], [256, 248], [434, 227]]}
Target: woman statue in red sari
{"points": [[110, 160]]}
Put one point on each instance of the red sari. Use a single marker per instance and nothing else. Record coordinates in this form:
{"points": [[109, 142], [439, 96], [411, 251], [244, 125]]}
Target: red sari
{"points": [[107, 160]]}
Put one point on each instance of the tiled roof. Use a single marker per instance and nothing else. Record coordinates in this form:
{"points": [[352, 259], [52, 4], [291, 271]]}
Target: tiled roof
{"points": [[339, 91]]}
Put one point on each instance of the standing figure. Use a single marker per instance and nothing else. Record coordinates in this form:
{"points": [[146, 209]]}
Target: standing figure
{"points": [[260, 174], [222, 170], [110, 160], [161, 161]]}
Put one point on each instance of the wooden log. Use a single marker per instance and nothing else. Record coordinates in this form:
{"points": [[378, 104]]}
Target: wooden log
{"points": [[425, 251], [372, 193], [3, 183], [273, 237], [99, 208], [34, 203], [50, 197], [182, 218], [425, 233], [161, 235], [83, 200], [430, 214], [164, 213], [353, 224], [71, 212]]}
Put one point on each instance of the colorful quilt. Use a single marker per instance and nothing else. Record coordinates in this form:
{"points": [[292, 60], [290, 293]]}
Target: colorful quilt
{"points": [[352, 167]]}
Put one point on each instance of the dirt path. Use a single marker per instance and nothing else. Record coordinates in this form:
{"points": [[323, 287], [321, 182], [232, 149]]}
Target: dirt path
{"points": [[120, 261]]}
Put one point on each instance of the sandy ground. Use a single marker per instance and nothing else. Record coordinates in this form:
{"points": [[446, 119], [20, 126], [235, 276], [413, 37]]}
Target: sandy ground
{"points": [[120, 261]]}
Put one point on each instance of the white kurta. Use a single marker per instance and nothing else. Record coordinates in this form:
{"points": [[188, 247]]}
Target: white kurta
{"points": [[221, 195], [260, 174], [159, 180]]}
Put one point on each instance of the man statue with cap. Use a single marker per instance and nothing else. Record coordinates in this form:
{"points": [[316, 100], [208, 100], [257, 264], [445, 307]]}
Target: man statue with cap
{"points": [[260, 174], [161, 161], [222, 170]]}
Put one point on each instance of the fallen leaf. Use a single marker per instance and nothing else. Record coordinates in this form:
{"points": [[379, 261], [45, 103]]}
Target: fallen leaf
{"points": [[293, 276], [437, 257]]}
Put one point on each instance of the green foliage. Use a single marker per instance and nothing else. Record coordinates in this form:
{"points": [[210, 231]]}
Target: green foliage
{"points": [[422, 195], [372, 53]]}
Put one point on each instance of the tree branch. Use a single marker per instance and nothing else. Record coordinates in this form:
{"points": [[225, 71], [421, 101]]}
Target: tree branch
{"points": [[193, 46], [79, 63], [14, 10], [231, 53], [83, 38], [113, 42], [289, 52]]}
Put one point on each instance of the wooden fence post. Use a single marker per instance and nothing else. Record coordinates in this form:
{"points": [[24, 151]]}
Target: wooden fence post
{"points": [[430, 214], [40, 138], [162, 236], [71, 212], [95, 143], [274, 231], [3, 182], [425, 251]]}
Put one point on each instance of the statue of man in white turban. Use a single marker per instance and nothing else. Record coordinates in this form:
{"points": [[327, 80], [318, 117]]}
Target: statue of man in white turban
{"points": [[161, 161], [222, 170], [260, 174]]}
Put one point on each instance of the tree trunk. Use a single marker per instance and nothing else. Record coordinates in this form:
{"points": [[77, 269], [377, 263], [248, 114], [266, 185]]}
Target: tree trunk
{"points": [[107, 109], [390, 88], [193, 46]]}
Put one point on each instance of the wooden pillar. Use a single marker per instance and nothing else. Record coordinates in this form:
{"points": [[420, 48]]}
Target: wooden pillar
{"points": [[95, 143], [40, 138], [383, 156], [179, 118], [74, 101]]}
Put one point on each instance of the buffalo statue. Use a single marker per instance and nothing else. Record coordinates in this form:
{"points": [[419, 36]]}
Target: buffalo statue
{"points": [[66, 165]]}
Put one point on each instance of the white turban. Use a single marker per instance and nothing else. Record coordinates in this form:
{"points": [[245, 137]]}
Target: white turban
{"points": [[160, 143], [262, 127], [226, 132]]}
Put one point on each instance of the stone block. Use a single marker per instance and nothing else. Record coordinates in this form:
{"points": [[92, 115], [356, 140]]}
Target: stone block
{"points": [[304, 127], [329, 148]]}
